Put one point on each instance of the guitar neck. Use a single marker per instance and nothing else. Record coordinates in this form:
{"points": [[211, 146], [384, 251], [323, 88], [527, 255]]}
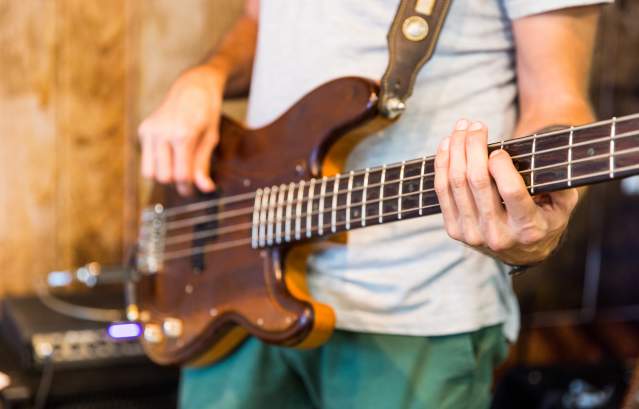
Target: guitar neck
{"points": [[548, 162]]}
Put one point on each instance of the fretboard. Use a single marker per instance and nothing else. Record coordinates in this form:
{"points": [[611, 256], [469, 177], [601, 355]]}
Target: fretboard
{"points": [[548, 162]]}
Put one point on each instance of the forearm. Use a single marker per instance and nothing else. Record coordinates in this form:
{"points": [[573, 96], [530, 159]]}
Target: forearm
{"points": [[233, 58], [554, 73]]}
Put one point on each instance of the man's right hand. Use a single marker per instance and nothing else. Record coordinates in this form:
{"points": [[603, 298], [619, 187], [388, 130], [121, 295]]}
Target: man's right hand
{"points": [[178, 138]]}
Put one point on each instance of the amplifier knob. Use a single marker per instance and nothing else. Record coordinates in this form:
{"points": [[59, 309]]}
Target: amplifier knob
{"points": [[153, 333], [172, 327]]}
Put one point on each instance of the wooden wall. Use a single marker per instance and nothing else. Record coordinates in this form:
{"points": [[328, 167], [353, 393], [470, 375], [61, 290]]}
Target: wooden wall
{"points": [[76, 76]]}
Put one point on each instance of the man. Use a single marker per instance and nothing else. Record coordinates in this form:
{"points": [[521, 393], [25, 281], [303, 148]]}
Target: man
{"points": [[422, 319]]}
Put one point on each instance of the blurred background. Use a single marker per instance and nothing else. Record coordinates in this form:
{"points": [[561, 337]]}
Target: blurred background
{"points": [[77, 76]]}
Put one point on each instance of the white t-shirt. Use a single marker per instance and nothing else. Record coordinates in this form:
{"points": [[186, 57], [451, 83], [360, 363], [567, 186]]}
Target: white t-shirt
{"points": [[406, 277]]}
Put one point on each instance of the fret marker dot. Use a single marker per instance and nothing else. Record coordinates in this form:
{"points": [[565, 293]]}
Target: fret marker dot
{"points": [[591, 151]]}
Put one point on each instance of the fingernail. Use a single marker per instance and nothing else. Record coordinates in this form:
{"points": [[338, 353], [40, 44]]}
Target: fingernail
{"points": [[476, 126], [445, 144], [462, 125], [495, 153], [203, 183]]}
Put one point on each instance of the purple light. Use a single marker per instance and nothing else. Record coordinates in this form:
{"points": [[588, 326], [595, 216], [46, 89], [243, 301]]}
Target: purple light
{"points": [[124, 330]]}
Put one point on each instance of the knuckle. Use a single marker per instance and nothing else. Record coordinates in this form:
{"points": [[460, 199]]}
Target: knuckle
{"points": [[498, 243], [514, 194], [441, 161], [531, 235], [479, 180], [453, 232], [441, 186], [458, 180], [144, 129], [180, 134], [473, 238]]}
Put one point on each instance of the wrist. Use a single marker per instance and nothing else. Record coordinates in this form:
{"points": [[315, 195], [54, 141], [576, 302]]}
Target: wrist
{"points": [[527, 256], [204, 78]]}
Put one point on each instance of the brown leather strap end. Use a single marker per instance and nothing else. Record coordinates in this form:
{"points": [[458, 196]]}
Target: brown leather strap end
{"points": [[411, 43]]}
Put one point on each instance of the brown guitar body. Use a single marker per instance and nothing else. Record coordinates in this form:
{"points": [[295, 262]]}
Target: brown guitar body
{"points": [[221, 297]]}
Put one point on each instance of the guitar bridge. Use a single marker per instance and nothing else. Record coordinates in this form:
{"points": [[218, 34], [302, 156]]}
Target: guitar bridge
{"points": [[151, 241]]}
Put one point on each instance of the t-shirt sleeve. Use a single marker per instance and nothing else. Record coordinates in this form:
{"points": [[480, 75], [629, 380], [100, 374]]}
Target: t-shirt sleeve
{"points": [[522, 8]]}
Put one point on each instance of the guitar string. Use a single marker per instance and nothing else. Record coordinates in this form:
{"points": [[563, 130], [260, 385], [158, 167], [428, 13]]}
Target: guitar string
{"points": [[186, 237], [181, 223], [172, 255], [176, 210]]}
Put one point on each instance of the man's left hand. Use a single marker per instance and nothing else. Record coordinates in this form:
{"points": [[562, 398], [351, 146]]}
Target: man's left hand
{"points": [[471, 187]]}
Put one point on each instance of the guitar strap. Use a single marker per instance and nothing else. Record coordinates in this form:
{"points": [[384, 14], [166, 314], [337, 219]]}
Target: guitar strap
{"points": [[411, 42]]}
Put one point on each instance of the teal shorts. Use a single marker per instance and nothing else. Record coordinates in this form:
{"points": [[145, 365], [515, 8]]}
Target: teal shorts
{"points": [[353, 370]]}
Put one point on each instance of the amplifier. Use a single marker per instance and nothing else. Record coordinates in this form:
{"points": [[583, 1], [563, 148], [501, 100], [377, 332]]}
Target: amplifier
{"points": [[76, 347], [74, 363], [38, 334]]}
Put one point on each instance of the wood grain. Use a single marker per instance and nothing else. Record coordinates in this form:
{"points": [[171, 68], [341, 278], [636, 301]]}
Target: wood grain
{"points": [[76, 78]]}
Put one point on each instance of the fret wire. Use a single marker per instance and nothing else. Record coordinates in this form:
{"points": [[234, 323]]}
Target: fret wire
{"points": [[349, 188], [278, 214], [401, 185], [569, 170], [612, 147], [586, 159], [271, 215], [553, 166], [298, 211], [586, 176], [429, 206], [256, 221], [421, 184], [251, 195], [571, 145], [320, 220], [309, 207], [334, 204], [578, 144], [289, 210], [589, 175], [532, 165], [578, 128], [365, 187], [263, 209], [381, 194], [538, 152]]}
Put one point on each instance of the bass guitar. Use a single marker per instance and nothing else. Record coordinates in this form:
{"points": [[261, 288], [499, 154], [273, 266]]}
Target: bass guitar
{"points": [[216, 268]]}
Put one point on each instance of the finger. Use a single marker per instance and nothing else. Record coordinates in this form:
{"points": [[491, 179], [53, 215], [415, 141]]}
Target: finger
{"points": [[560, 203], [147, 161], [520, 206], [184, 188], [442, 189], [182, 142], [484, 191], [163, 161], [202, 162], [458, 179]]}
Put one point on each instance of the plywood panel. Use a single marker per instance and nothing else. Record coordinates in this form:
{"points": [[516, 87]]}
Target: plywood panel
{"points": [[27, 143], [76, 77], [90, 104]]}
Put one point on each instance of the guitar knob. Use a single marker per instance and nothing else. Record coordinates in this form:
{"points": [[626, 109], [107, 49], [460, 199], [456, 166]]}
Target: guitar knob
{"points": [[153, 333], [172, 327]]}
